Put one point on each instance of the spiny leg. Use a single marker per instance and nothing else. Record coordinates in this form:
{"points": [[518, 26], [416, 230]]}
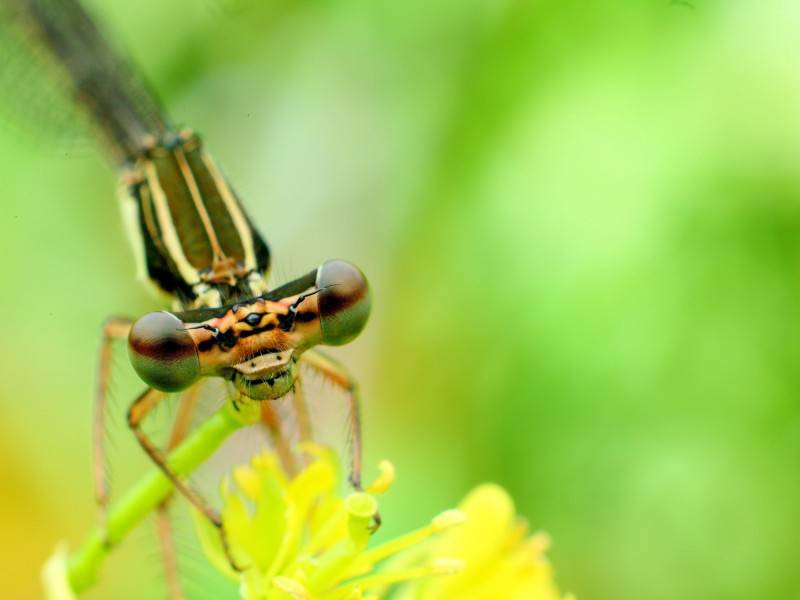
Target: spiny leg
{"points": [[180, 428], [140, 408], [272, 423], [301, 410], [337, 375], [166, 543], [114, 328], [302, 415], [183, 420]]}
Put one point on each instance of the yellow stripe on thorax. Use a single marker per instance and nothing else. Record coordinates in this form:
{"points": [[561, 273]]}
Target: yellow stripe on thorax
{"points": [[238, 217], [168, 232], [199, 205]]}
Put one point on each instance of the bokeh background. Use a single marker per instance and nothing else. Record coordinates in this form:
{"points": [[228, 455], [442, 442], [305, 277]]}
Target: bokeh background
{"points": [[581, 220]]}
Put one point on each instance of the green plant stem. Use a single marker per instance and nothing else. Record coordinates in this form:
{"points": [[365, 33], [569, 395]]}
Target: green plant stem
{"points": [[146, 495]]}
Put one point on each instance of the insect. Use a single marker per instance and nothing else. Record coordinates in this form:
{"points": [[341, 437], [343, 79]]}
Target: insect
{"points": [[197, 246]]}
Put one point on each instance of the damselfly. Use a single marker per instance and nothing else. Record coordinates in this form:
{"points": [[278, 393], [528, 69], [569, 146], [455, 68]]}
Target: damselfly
{"points": [[197, 246]]}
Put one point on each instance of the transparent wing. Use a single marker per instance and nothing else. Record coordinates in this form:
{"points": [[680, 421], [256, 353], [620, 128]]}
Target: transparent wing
{"points": [[60, 39], [36, 107]]}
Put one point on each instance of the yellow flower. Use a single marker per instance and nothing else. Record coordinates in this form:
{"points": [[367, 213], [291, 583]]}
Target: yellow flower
{"points": [[500, 559], [297, 539]]}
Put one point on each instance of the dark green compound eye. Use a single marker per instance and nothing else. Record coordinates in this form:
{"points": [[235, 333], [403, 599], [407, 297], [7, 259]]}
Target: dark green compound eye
{"points": [[344, 301], [163, 353]]}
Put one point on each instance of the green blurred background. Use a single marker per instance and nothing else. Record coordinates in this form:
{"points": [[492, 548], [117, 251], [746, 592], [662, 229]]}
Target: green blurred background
{"points": [[582, 223]]}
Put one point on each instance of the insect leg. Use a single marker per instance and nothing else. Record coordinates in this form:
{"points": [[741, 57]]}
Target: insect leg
{"points": [[272, 422], [140, 408], [338, 376], [183, 420], [334, 372], [301, 411], [166, 543], [302, 415], [114, 328], [180, 428]]}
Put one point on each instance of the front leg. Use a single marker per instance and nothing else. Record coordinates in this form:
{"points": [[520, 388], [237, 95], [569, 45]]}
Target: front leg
{"points": [[334, 372], [140, 408]]}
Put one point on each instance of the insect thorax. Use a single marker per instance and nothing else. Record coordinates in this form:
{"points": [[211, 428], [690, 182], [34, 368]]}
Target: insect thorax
{"points": [[192, 238]]}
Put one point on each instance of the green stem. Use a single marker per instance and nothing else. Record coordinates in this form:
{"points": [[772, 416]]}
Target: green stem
{"points": [[146, 495]]}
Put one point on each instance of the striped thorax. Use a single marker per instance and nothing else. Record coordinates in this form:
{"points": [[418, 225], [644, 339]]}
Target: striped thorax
{"points": [[192, 238]]}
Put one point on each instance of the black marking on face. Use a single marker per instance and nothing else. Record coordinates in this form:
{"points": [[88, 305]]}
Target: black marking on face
{"points": [[268, 327], [270, 381], [268, 386], [286, 322], [226, 340]]}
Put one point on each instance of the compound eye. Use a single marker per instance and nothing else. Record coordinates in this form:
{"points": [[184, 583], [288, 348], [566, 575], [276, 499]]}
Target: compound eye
{"points": [[163, 353], [344, 301]]}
